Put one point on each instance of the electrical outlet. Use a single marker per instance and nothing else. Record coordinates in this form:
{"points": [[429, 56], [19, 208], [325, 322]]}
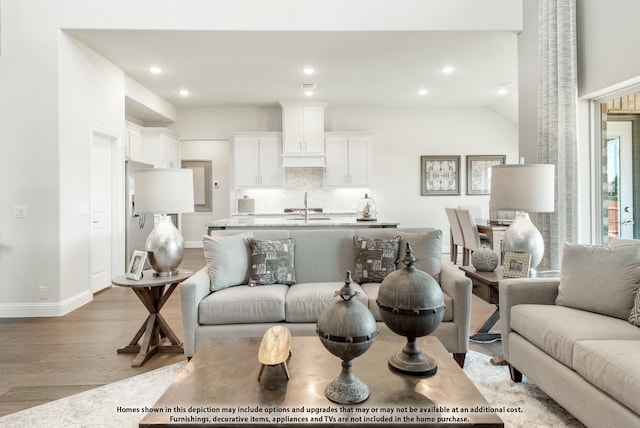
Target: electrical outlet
{"points": [[42, 293], [19, 211]]}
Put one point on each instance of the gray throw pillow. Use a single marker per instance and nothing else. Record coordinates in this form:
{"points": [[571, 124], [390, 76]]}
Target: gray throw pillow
{"points": [[427, 249], [634, 317], [374, 258], [227, 260], [599, 279], [272, 262]]}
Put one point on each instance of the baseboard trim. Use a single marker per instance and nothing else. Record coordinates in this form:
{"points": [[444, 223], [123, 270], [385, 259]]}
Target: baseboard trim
{"points": [[45, 309]]}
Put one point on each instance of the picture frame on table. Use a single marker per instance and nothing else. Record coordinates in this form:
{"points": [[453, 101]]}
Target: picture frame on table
{"points": [[136, 265], [479, 172], [516, 265], [440, 175]]}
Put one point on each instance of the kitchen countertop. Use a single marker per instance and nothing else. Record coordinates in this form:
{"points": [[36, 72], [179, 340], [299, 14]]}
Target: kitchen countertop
{"points": [[295, 221]]}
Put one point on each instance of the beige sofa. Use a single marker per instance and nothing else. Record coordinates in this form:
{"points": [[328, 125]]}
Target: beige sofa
{"points": [[573, 337], [322, 258]]}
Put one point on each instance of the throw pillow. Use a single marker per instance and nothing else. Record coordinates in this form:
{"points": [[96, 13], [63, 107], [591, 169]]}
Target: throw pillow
{"points": [[634, 317], [272, 262], [374, 258], [227, 260], [599, 279], [427, 249]]}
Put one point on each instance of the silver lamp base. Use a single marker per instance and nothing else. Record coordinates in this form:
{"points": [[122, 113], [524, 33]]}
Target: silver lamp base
{"points": [[523, 237], [165, 247]]}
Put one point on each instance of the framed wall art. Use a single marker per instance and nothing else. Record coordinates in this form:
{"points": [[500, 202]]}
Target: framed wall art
{"points": [[516, 265], [479, 173], [440, 175], [136, 265], [201, 183]]}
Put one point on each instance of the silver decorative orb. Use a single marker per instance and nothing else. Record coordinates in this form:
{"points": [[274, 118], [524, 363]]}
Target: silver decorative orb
{"points": [[347, 329], [484, 259], [165, 247], [412, 305]]}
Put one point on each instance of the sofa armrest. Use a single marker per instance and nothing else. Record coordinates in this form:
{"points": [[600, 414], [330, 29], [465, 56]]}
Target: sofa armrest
{"points": [[192, 291], [458, 287], [539, 291]]}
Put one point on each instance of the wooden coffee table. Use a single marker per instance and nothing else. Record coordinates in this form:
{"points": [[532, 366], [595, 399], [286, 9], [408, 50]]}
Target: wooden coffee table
{"points": [[220, 387]]}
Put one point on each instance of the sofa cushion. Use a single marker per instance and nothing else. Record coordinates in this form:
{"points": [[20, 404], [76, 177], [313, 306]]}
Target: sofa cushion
{"points": [[374, 258], [612, 366], [272, 261], [323, 255], [634, 316], [556, 329], [227, 260], [372, 288], [306, 301], [599, 279], [427, 249], [244, 305]]}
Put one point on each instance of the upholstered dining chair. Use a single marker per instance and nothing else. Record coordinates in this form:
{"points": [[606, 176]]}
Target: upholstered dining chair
{"points": [[457, 239], [473, 240]]}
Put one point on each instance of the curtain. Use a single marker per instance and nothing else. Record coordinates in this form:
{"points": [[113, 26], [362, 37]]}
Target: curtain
{"points": [[557, 122]]}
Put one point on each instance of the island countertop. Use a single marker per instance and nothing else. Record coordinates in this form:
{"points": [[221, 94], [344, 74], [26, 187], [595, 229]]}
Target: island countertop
{"points": [[296, 221]]}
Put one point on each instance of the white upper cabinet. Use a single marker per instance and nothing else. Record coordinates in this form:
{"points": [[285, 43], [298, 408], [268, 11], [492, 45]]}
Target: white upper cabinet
{"points": [[257, 161], [160, 147], [303, 133], [133, 141], [348, 160]]}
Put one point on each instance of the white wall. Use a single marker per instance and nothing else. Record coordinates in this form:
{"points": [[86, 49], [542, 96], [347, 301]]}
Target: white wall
{"points": [[401, 136], [91, 97]]}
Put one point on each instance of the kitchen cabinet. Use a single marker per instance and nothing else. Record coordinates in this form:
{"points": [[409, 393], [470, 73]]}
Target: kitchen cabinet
{"points": [[160, 147], [133, 141], [257, 161], [348, 159], [303, 128]]}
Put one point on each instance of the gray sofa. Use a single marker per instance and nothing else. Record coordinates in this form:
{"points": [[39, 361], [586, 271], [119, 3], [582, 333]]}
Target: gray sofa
{"points": [[322, 258], [573, 336]]}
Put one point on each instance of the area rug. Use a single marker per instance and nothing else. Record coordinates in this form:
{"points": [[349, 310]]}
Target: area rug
{"points": [[98, 407]]}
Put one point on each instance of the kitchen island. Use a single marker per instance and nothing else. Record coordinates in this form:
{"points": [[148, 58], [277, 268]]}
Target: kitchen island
{"points": [[290, 222]]}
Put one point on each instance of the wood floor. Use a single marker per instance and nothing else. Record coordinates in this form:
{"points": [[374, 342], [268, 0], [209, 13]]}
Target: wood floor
{"points": [[44, 359]]}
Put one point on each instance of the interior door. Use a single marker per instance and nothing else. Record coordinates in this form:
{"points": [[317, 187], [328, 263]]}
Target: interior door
{"points": [[101, 197], [619, 180]]}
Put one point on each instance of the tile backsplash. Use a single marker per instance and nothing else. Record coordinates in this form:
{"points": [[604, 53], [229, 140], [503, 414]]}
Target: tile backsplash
{"points": [[296, 182]]}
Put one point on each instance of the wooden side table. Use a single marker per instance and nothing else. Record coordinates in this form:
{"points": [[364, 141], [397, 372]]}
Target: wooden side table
{"points": [[485, 286], [153, 293]]}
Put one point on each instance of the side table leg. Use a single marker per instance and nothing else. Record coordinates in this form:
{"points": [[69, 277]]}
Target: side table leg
{"points": [[483, 335], [146, 351]]}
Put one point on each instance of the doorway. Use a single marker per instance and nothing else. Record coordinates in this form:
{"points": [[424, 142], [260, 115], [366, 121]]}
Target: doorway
{"points": [[103, 146], [619, 172]]}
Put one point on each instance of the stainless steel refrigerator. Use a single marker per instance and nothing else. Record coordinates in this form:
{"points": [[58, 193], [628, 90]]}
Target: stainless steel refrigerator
{"points": [[138, 226]]}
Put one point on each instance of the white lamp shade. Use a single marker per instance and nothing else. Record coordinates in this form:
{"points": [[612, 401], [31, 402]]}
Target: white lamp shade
{"points": [[523, 187], [164, 190]]}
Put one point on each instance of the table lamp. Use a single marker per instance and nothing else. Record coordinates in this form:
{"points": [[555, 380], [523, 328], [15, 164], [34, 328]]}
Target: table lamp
{"points": [[523, 188], [164, 191]]}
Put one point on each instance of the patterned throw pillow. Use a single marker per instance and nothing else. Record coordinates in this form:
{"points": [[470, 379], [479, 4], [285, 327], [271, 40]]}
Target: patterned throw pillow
{"points": [[634, 317], [374, 258], [272, 262]]}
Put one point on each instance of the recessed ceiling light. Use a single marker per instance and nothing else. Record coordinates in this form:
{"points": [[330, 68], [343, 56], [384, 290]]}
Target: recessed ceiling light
{"points": [[155, 69], [423, 92], [502, 91], [308, 70], [184, 92], [309, 93], [448, 70]]}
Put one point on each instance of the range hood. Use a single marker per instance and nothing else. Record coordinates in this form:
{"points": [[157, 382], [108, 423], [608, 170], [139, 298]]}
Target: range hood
{"points": [[303, 161]]}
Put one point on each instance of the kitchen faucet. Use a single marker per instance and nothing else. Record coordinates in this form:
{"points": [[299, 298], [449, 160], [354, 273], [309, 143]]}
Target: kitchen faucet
{"points": [[306, 208]]}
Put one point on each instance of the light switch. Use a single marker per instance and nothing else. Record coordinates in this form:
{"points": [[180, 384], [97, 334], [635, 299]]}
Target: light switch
{"points": [[19, 211]]}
